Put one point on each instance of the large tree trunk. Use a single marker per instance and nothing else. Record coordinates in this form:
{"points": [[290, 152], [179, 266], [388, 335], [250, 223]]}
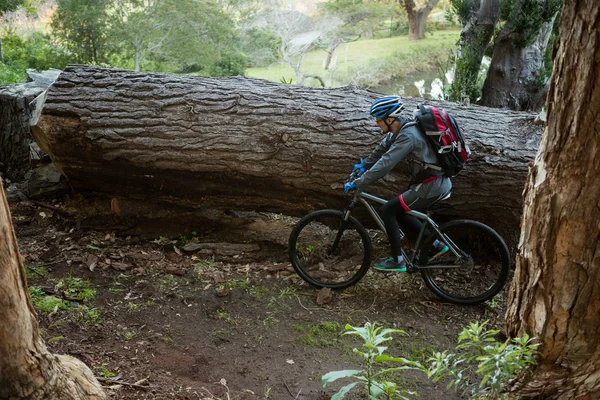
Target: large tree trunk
{"points": [[239, 143], [515, 77], [417, 17], [477, 29], [15, 133], [556, 291], [27, 369]]}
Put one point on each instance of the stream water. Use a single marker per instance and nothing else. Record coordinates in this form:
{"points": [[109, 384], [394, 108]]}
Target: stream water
{"points": [[428, 85]]}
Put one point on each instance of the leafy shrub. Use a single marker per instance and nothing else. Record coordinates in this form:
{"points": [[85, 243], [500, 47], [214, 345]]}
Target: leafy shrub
{"points": [[479, 352], [36, 52], [229, 65], [374, 365]]}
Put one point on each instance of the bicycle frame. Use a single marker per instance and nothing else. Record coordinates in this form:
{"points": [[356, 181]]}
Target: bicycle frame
{"points": [[364, 198]]}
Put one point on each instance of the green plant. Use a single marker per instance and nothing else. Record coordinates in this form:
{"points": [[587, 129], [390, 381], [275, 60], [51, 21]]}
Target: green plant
{"points": [[34, 272], [105, 372], [224, 315], [44, 303], [87, 315], [168, 280], [287, 292], [133, 307], [76, 289], [193, 238], [55, 339], [495, 363], [325, 334], [375, 365], [258, 291], [130, 335]]}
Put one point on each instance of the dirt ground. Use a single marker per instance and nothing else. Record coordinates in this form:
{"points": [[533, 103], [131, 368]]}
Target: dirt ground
{"points": [[228, 320]]}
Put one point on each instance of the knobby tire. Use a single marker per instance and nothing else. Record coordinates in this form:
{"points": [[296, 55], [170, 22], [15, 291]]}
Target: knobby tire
{"points": [[310, 252], [488, 269]]}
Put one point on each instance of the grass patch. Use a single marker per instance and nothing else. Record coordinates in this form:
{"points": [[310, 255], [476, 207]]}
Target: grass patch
{"points": [[130, 335], [325, 334], [225, 316], [44, 303], [168, 281], [76, 289], [383, 59], [34, 272]]}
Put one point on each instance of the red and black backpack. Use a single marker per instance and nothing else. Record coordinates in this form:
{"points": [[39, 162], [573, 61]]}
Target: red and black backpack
{"points": [[446, 137]]}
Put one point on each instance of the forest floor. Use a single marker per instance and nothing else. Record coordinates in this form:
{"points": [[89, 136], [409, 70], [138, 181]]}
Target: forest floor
{"points": [[155, 322]]}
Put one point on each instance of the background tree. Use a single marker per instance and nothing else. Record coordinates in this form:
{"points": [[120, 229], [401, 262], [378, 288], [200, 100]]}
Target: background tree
{"points": [[356, 17], [203, 41], [7, 6], [555, 294], [478, 19], [142, 27], [297, 33], [82, 28], [27, 369], [516, 78], [417, 11]]}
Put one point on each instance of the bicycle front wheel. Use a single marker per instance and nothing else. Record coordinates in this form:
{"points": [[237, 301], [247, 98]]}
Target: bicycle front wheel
{"points": [[327, 251], [474, 278]]}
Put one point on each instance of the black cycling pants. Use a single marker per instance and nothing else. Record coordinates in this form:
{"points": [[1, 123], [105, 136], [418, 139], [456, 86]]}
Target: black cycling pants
{"points": [[394, 211]]}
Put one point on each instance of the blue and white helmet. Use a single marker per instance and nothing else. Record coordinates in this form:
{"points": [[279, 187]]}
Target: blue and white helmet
{"points": [[387, 106]]}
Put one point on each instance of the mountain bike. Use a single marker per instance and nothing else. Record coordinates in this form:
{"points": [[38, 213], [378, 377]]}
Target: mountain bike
{"points": [[332, 249]]}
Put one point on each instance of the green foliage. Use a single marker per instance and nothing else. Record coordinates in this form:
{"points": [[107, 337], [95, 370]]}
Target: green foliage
{"points": [[34, 272], [35, 51], [460, 9], [422, 57], [44, 303], [468, 79], [105, 373], [230, 64], [10, 5], [202, 39], [10, 74], [375, 365], [479, 352], [325, 334], [260, 46], [76, 289], [525, 17], [82, 28]]}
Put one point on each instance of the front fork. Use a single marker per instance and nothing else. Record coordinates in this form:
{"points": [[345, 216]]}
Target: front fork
{"points": [[343, 224]]}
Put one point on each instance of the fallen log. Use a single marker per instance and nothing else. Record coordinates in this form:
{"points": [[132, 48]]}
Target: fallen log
{"points": [[15, 113], [250, 144]]}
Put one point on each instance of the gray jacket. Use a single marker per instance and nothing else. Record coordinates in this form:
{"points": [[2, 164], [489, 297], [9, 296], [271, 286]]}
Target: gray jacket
{"points": [[408, 144]]}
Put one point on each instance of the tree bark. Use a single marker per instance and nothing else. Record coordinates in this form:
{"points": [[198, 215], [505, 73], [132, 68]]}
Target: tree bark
{"points": [[15, 132], [513, 79], [555, 294], [417, 17], [249, 144], [477, 31], [27, 369]]}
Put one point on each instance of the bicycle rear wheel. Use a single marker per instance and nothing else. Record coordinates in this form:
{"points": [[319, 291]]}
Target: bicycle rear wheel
{"points": [[327, 251], [479, 276]]}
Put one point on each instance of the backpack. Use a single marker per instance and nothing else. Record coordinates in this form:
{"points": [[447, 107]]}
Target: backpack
{"points": [[446, 137]]}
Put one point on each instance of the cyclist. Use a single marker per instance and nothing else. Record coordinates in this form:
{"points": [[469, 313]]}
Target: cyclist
{"points": [[428, 184]]}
